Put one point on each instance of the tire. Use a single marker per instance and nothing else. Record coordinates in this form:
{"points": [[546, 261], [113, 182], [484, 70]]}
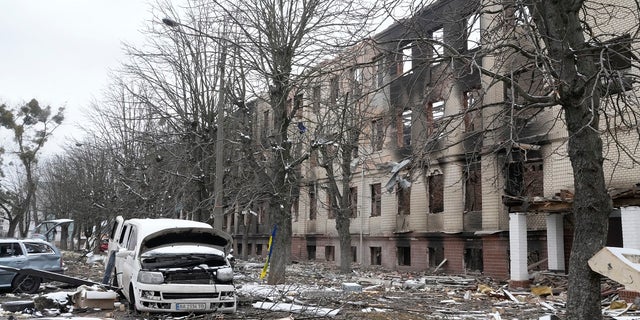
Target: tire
{"points": [[25, 284]]}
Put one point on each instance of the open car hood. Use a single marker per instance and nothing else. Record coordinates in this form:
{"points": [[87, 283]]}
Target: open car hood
{"points": [[44, 229], [180, 236]]}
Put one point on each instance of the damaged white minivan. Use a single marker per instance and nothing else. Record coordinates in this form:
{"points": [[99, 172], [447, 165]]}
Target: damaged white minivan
{"points": [[171, 265]]}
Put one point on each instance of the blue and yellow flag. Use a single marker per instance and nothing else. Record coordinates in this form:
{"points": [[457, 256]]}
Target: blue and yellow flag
{"points": [[270, 249]]}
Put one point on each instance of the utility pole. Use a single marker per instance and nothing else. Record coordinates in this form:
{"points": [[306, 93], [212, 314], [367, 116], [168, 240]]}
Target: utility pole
{"points": [[218, 209]]}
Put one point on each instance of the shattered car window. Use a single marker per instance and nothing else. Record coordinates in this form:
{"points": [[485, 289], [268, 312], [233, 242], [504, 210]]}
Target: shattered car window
{"points": [[35, 248], [10, 249]]}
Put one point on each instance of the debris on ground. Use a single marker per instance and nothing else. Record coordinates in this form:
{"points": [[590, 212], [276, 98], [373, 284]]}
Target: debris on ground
{"points": [[318, 290]]}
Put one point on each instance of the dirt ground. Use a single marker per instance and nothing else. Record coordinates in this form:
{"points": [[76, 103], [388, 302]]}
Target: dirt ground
{"points": [[317, 289]]}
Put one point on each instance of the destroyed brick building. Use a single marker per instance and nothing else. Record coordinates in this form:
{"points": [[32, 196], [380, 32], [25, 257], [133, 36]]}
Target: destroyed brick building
{"points": [[449, 165]]}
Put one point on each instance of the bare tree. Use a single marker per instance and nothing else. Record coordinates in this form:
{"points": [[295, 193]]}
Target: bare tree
{"points": [[81, 185], [278, 40]]}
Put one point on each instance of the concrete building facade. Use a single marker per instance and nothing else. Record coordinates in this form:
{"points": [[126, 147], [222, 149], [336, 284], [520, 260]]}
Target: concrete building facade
{"points": [[449, 171]]}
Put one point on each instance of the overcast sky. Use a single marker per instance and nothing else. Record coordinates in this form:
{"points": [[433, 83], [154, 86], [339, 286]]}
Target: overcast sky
{"points": [[60, 51]]}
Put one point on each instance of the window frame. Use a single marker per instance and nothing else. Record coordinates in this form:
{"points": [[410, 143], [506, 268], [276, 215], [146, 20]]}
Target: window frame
{"points": [[377, 134], [313, 202], [436, 196], [376, 199], [403, 197]]}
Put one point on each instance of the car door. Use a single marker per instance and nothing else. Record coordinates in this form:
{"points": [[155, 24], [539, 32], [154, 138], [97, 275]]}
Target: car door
{"points": [[115, 235], [41, 255], [125, 258], [119, 246], [11, 255]]}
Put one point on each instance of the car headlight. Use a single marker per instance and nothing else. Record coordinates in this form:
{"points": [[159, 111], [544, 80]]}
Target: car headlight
{"points": [[224, 274], [150, 277]]}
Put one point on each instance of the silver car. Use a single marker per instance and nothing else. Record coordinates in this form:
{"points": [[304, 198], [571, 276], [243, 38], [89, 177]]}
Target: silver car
{"points": [[27, 253]]}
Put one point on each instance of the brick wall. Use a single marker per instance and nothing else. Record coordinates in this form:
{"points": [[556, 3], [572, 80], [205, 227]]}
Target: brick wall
{"points": [[454, 253], [419, 255], [298, 248], [495, 256]]}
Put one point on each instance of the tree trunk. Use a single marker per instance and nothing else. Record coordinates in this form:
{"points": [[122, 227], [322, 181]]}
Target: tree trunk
{"points": [[245, 236], [64, 235], [343, 222], [577, 91], [282, 181], [13, 224], [281, 244]]}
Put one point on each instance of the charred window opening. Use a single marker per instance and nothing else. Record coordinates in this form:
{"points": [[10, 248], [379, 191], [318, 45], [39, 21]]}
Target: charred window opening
{"points": [[297, 104], [377, 134], [473, 259], [265, 126], [354, 254], [436, 193], [614, 57], [524, 174], [259, 249], [472, 114], [514, 179], [435, 114], [473, 186], [436, 256], [357, 81], [404, 256], [313, 202], [404, 200], [311, 252], [376, 199], [533, 179], [376, 255], [405, 65], [330, 253], [391, 62], [353, 201], [295, 207], [403, 127], [334, 87], [331, 210], [380, 71], [317, 96]]}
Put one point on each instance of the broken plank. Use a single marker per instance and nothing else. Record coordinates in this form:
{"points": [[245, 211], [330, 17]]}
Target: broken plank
{"points": [[440, 265], [511, 296], [52, 276]]}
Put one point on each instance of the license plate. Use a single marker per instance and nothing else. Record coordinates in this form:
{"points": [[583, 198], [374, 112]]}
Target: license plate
{"points": [[191, 306]]}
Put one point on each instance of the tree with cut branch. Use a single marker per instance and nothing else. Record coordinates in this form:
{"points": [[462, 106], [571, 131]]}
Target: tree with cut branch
{"points": [[31, 126]]}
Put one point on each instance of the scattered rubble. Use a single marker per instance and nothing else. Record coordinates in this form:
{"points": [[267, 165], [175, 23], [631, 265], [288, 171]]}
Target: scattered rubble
{"points": [[317, 290]]}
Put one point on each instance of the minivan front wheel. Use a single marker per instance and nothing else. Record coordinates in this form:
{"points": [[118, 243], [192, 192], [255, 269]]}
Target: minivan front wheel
{"points": [[25, 284]]}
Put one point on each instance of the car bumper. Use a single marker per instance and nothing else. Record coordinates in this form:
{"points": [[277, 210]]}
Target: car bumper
{"points": [[186, 298]]}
